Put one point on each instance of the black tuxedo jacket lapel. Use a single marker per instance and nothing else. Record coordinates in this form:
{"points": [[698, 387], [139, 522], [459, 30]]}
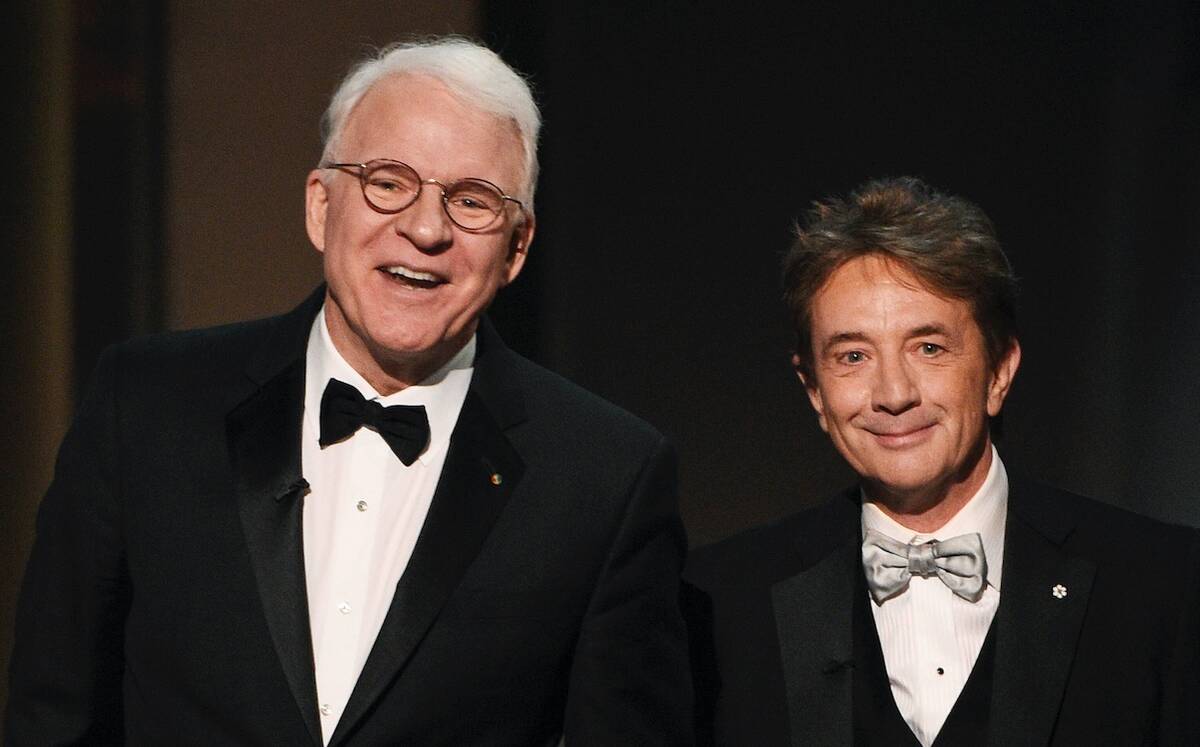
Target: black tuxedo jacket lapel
{"points": [[814, 616], [479, 475], [1037, 630], [264, 433]]}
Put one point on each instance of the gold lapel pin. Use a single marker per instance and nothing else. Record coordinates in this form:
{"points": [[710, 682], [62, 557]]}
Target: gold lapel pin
{"points": [[1059, 591], [496, 479]]}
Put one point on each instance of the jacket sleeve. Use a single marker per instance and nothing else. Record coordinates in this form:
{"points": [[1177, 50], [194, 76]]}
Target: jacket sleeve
{"points": [[1180, 719], [65, 677], [630, 681]]}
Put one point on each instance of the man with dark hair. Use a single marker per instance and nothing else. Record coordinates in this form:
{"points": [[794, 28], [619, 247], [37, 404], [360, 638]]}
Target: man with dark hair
{"points": [[942, 600], [366, 521]]}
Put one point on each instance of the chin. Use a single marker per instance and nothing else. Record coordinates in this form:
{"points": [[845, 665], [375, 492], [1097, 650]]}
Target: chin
{"points": [[391, 348], [421, 341], [908, 488], [905, 480]]}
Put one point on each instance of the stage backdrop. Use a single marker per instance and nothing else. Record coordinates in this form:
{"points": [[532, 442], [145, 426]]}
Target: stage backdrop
{"points": [[684, 138]]}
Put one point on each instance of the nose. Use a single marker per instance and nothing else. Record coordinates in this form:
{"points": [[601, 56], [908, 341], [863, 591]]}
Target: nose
{"points": [[425, 222], [895, 387]]}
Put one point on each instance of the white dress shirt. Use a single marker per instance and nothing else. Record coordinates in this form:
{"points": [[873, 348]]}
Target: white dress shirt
{"points": [[363, 513], [930, 636]]}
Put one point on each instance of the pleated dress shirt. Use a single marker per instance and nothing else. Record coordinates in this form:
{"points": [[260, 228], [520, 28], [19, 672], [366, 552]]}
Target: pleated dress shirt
{"points": [[363, 513], [931, 637]]}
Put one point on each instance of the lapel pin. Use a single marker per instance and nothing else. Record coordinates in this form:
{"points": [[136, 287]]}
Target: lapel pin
{"points": [[1059, 591], [496, 479]]}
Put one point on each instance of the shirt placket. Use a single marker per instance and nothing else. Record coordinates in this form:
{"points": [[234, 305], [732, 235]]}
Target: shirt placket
{"points": [[353, 542]]}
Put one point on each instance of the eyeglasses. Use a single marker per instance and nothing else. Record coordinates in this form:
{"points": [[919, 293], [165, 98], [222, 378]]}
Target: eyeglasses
{"points": [[390, 186]]}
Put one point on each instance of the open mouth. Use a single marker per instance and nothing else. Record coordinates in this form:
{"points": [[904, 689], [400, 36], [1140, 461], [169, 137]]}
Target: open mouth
{"points": [[412, 278]]}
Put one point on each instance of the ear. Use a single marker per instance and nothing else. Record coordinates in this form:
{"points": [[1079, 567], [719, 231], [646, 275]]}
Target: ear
{"points": [[316, 205], [812, 390], [1002, 378], [518, 248]]}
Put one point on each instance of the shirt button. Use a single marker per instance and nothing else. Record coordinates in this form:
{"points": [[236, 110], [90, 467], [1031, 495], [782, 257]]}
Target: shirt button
{"points": [[941, 671], [325, 709], [344, 608], [361, 505]]}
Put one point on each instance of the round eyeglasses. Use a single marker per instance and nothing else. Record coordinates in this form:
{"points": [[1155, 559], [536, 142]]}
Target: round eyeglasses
{"points": [[391, 186]]}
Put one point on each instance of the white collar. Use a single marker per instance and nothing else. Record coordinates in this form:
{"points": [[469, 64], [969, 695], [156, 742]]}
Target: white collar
{"points": [[986, 513], [442, 393]]}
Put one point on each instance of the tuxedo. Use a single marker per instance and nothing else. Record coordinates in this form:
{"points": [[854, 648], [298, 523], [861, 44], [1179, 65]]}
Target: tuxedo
{"points": [[164, 601], [1095, 640]]}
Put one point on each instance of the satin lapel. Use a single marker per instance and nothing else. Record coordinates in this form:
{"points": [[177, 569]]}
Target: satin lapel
{"points": [[814, 619], [1043, 600], [465, 505], [264, 442]]}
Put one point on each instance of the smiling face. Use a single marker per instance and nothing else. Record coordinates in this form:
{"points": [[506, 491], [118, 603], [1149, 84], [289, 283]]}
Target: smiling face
{"points": [[405, 291], [901, 383]]}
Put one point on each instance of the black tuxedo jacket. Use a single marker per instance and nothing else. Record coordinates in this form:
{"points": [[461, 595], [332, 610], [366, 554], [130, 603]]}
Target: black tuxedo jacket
{"points": [[164, 601], [1114, 661]]}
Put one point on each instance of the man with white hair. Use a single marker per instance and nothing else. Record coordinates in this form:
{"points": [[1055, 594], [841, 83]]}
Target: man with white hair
{"points": [[366, 521]]}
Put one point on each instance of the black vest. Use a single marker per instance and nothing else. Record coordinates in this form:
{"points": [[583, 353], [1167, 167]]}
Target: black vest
{"points": [[877, 721]]}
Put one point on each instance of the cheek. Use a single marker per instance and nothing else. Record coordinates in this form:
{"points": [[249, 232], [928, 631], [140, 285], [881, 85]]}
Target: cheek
{"points": [[492, 266], [966, 400], [350, 226], [844, 398]]}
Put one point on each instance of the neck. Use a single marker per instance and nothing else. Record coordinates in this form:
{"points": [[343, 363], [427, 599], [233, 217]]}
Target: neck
{"points": [[928, 510], [390, 376], [387, 371]]}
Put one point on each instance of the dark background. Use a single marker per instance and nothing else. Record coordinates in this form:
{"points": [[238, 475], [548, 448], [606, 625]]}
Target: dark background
{"points": [[683, 139], [157, 154]]}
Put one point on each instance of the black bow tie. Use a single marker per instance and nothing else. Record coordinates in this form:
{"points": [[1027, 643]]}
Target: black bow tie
{"points": [[405, 428]]}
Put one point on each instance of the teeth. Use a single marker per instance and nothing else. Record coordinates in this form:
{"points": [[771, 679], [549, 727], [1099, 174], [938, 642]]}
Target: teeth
{"points": [[411, 274]]}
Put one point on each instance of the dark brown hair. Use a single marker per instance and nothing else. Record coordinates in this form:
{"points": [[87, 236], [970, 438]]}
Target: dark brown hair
{"points": [[947, 242]]}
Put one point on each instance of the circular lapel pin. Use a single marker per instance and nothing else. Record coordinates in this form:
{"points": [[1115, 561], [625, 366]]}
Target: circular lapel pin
{"points": [[496, 478], [1059, 591]]}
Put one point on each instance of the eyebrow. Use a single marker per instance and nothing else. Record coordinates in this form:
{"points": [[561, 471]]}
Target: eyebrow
{"points": [[842, 337], [925, 330]]}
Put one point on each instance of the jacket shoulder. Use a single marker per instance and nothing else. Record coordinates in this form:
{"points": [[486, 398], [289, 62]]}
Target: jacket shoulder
{"points": [[1087, 521], [208, 345], [775, 550], [551, 396], [209, 367], [268, 343]]}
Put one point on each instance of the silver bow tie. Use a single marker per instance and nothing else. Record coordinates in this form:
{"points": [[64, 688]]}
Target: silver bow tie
{"points": [[958, 562]]}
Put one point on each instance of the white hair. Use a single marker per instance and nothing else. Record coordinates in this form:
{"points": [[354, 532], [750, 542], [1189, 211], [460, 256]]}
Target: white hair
{"points": [[471, 72]]}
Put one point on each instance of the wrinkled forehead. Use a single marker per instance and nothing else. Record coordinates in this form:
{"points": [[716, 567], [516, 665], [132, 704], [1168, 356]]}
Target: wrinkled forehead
{"points": [[876, 295], [879, 268]]}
